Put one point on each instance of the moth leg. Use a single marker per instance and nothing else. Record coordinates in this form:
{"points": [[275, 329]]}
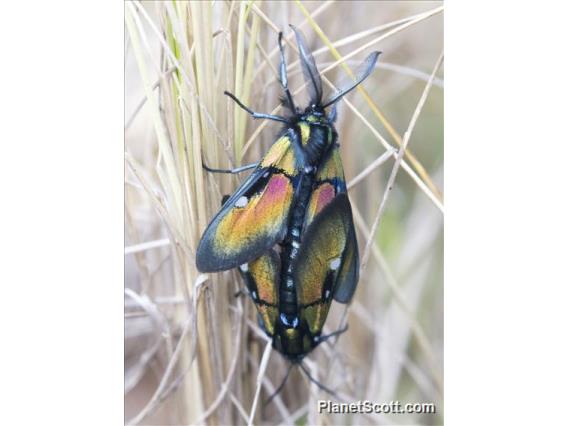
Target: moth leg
{"points": [[256, 115], [233, 171], [261, 324], [284, 74], [318, 384], [239, 293], [279, 389], [330, 335], [333, 114]]}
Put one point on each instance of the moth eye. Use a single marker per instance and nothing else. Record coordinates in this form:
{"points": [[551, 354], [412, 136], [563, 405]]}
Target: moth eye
{"points": [[241, 202], [334, 264], [244, 267]]}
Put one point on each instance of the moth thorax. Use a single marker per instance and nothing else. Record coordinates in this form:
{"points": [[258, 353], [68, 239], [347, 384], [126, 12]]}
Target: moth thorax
{"points": [[320, 138]]}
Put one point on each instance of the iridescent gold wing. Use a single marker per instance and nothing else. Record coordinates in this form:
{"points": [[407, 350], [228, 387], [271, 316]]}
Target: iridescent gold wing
{"points": [[327, 264], [261, 278], [255, 217], [330, 183]]}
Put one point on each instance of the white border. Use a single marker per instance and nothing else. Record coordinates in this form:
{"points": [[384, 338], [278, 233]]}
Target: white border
{"points": [[506, 203], [61, 177]]}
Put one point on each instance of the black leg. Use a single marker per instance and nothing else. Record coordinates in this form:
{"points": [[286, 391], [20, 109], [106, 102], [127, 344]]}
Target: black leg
{"points": [[284, 75], [233, 171], [279, 389], [333, 114], [330, 335], [256, 114], [239, 293], [319, 385]]}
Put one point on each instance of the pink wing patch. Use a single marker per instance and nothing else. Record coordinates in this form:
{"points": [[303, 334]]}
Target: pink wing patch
{"points": [[276, 188], [321, 197]]}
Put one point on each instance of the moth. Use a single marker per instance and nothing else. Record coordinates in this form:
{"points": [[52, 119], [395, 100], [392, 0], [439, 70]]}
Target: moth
{"points": [[289, 227]]}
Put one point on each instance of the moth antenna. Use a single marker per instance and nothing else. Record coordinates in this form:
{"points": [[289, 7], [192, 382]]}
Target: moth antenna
{"points": [[309, 68], [283, 75], [279, 389], [362, 72]]}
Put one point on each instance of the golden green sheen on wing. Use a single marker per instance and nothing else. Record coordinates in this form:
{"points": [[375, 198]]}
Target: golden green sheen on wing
{"points": [[268, 315], [262, 217], [281, 156], [326, 262], [316, 315], [265, 276], [263, 272], [326, 248], [332, 168]]}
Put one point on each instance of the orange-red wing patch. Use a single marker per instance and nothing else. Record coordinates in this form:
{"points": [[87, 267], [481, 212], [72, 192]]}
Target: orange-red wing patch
{"points": [[330, 181], [321, 197]]}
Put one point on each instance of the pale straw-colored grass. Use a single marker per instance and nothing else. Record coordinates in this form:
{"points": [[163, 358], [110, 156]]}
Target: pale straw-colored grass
{"points": [[194, 353]]}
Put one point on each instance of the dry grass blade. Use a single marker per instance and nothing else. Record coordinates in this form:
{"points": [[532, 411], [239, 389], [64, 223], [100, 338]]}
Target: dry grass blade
{"points": [[146, 246], [405, 166], [161, 328], [390, 183], [412, 72], [143, 101], [226, 385], [159, 205], [151, 99], [395, 287], [261, 373], [397, 163], [371, 168], [165, 378]]}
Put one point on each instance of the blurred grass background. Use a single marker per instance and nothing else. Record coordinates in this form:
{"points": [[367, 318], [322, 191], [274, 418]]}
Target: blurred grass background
{"points": [[192, 351]]}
